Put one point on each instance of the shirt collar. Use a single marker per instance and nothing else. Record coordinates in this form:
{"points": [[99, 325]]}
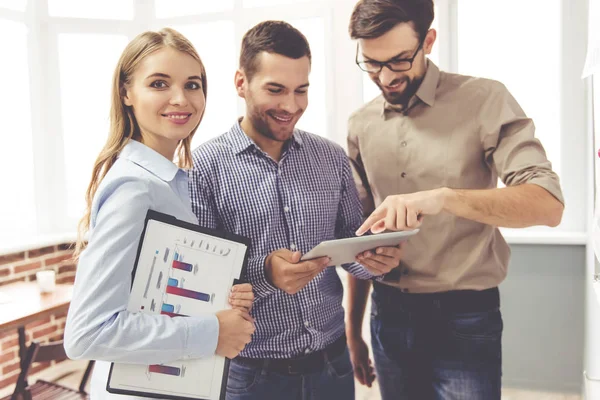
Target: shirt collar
{"points": [[241, 142], [150, 160], [425, 93]]}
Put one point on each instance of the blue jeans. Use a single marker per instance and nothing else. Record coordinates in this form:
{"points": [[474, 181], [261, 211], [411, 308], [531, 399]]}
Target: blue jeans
{"points": [[444, 346], [334, 381]]}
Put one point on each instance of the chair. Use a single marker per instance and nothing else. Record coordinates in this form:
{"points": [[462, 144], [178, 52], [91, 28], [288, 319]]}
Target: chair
{"points": [[41, 389]]}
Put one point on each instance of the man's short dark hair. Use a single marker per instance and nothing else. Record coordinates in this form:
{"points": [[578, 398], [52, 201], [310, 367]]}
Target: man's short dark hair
{"points": [[374, 18], [273, 37]]}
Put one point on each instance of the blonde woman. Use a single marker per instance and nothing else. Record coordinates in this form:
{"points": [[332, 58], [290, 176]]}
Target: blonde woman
{"points": [[158, 99]]}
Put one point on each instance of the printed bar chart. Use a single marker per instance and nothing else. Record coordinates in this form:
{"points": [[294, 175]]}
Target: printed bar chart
{"points": [[165, 370], [182, 266], [169, 309], [188, 293]]}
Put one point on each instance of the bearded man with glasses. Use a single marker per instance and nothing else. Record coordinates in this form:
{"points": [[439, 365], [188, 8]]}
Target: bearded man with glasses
{"points": [[427, 154]]}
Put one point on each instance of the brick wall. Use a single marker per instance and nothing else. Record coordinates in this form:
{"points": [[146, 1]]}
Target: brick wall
{"points": [[22, 267]]}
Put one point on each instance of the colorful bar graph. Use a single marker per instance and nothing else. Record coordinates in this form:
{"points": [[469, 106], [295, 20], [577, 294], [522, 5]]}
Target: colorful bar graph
{"points": [[188, 293], [168, 307], [183, 266], [165, 370], [170, 314], [173, 282]]}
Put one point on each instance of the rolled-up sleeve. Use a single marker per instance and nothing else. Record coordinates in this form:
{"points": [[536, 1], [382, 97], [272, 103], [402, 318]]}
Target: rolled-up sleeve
{"points": [[510, 145], [99, 326]]}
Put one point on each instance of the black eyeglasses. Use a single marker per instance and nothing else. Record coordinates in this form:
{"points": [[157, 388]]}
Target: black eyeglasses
{"points": [[394, 64]]}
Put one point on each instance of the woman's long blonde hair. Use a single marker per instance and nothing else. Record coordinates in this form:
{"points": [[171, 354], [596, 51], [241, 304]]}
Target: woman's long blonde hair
{"points": [[123, 125]]}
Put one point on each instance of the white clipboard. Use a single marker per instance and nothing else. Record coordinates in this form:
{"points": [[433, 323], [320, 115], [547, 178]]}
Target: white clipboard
{"points": [[344, 251], [181, 270]]}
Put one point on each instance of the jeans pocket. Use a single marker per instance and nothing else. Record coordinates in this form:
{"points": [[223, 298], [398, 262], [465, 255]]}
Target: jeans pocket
{"points": [[476, 337], [485, 325], [241, 378], [340, 367]]}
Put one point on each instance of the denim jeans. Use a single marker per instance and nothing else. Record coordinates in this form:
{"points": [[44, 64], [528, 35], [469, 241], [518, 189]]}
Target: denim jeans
{"points": [[444, 346], [334, 381]]}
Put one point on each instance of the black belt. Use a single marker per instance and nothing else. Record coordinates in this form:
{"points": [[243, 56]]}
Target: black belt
{"points": [[310, 363], [391, 298]]}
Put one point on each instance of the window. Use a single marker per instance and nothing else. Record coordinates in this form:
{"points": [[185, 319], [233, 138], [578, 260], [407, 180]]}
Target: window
{"points": [[264, 3], [105, 9], [178, 8], [532, 73], [596, 150], [17, 204], [86, 62], [16, 5]]}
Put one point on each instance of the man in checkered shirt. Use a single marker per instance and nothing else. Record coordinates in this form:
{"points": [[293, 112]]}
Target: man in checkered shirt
{"points": [[288, 190]]}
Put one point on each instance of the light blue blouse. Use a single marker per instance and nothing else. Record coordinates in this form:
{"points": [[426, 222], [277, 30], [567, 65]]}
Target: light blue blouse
{"points": [[99, 327]]}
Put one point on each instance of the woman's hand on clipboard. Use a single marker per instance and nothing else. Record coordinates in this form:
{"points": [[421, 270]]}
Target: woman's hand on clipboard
{"points": [[242, 297]]}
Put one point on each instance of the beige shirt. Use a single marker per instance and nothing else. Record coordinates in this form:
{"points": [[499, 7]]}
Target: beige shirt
{"points": [[458, 132]]}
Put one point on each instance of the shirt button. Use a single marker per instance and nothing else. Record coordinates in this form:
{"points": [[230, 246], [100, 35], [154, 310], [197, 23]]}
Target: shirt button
{"points": [[306, 323], [403, 174], [293, 246], [307, 351], [286, 209], [403, 144]]}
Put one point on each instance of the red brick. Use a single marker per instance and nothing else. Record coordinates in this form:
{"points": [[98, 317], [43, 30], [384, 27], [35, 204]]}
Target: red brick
{"points": [[38, 323], [28, 267], [7, 369], [7, 335], [66, 268], [58, 259], [60, 315], [8, 380], [12, 258], [4, 272], [41, 252], [65, 279], [45, 331], [56, 338], [8, 344], [13, 280], [8, 356], [66, 246]]}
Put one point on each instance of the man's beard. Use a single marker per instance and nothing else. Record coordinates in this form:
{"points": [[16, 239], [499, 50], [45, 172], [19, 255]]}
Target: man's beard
{"points": [[401, 98], [260, 122]]}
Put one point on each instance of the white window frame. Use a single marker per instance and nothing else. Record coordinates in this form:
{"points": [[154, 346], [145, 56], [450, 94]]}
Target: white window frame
{"points": [[344, 94]]}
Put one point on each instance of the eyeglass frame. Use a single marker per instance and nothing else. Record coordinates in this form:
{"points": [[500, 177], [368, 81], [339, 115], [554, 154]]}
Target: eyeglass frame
{"points": [[389, 61]]}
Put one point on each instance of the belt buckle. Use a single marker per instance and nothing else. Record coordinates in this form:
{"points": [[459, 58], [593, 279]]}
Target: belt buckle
{"points": [[293, 371]]}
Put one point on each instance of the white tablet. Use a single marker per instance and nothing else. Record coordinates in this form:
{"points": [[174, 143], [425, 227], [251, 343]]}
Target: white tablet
{"points": [[342, 251]]}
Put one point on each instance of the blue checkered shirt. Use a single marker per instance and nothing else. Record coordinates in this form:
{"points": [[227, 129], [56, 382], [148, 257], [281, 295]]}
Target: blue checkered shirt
{"points": [[308, 197]]}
